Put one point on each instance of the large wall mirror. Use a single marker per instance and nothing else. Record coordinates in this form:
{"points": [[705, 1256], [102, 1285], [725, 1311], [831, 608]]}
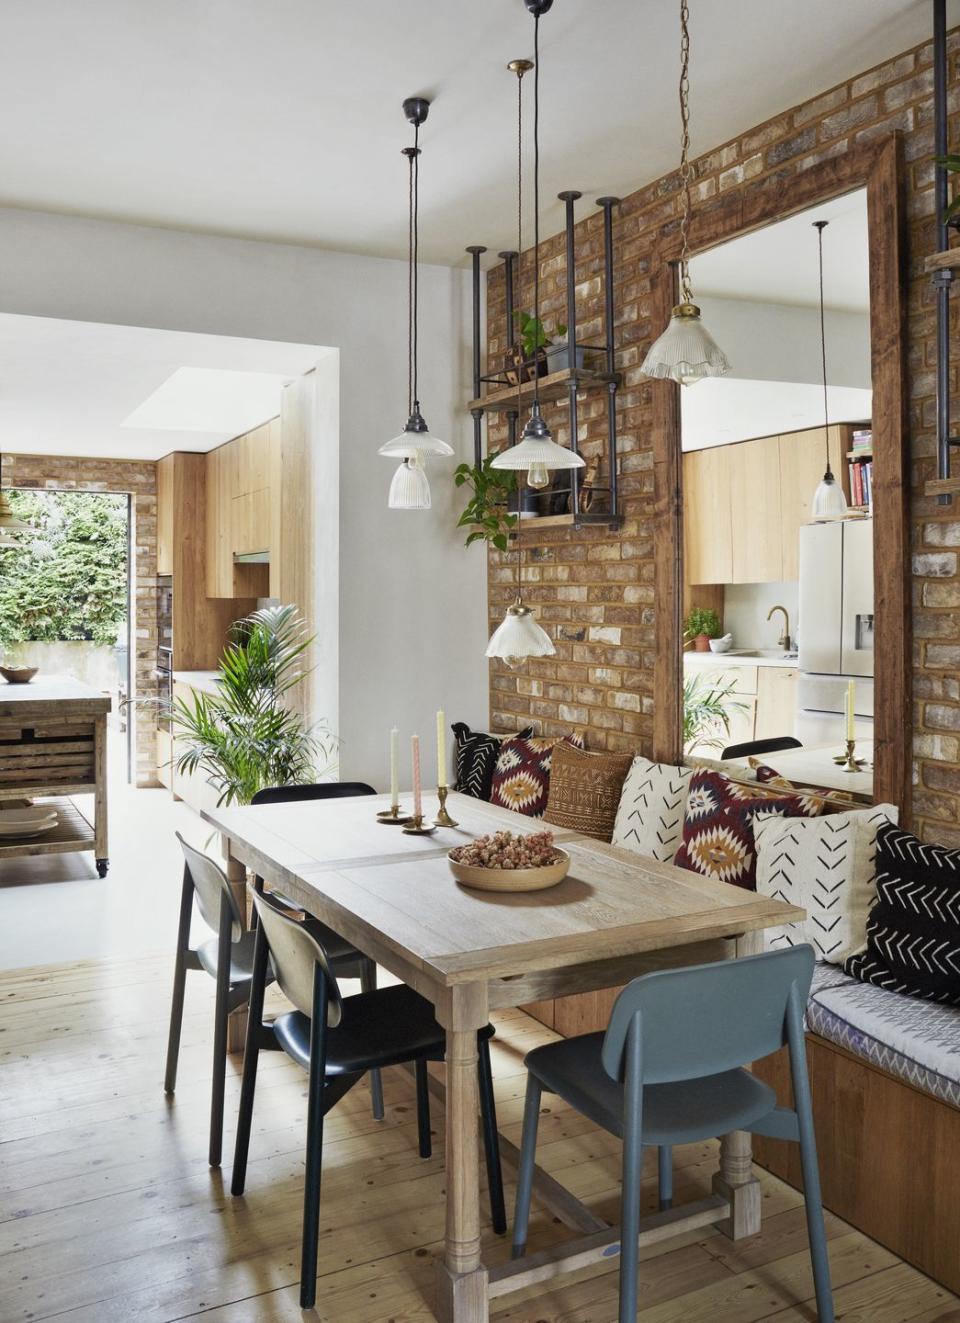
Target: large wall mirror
{"points": [[773, 622]]}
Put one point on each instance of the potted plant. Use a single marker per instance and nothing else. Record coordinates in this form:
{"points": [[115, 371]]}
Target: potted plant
{"points": [[534, 343], [706, 711], [951, 163], [487, 513], [702, 625], [245, 737]]}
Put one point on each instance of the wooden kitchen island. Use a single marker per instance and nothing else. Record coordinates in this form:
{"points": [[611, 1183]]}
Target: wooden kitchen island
{"points": [[53, 745]]}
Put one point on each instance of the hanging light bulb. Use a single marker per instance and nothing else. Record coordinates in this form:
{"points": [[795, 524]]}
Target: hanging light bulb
{"points": [[518, 636], [537, 453], [409, 488], [829, 501], [686, 351], [416, 440]]}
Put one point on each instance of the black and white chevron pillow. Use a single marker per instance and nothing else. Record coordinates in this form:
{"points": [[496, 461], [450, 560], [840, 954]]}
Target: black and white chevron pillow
{"points": [[477, 755], [913, 936], [827, 867], [652, 806]]}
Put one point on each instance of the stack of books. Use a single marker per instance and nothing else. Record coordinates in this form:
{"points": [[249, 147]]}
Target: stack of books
{"points": [[860, 459]]}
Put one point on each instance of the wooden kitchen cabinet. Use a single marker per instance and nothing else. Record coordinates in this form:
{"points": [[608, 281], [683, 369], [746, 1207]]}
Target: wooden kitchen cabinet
{"points": [[802, 465], [165, 506], [251, 522], [776, 701], [707, 526], [219, 549], [755, 503], [243, 498]]}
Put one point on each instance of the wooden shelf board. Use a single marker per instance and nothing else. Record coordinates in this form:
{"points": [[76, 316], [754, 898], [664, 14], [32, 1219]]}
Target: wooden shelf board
{"points": [[554, 387], [942, 487], [72, 832], [854, 455], [530, 526], [949, 260]]}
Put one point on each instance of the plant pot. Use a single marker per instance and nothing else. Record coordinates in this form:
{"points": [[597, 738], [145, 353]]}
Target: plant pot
{"points": [[525, 501], [558, 358], [701, 643]]}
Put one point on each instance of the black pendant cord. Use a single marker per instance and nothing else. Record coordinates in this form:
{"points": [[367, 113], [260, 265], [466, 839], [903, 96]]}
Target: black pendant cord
{"points": [[536, 213], [415, 172], [513, 311], [820, 227], [409, 284]]}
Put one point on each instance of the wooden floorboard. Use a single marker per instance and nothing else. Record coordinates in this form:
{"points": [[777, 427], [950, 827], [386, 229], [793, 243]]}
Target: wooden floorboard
{"points": [[109, 1213]]}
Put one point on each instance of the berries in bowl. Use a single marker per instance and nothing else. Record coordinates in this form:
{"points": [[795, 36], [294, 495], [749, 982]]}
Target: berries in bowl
{"points": [[509, 862]]}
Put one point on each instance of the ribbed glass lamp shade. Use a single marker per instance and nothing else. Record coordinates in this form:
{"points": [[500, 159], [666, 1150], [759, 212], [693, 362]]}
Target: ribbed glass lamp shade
{"points": [[415, 439], [686, 352], [518, 636], [409, 489], [829, 501], [538, 453], [9, 523]]}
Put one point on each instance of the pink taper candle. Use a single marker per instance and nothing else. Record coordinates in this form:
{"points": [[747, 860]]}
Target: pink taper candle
{"points": [[417, 805]]}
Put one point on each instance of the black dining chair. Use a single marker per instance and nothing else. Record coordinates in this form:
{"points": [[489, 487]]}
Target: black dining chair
{"points": [[773, 745], [339, 951], [336, 1040]]}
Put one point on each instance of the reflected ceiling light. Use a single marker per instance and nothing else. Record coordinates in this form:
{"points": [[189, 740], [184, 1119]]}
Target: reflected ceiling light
{"points": [[829, 501], [686, 351], [416, 438], [409, 489], [536, 453]]}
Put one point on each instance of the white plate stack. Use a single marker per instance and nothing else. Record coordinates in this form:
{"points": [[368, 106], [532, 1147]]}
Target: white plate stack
{"points": [[16, 820]]}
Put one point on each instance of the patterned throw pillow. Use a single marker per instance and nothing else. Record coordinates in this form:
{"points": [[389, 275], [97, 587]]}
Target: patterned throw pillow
{"points": [[476, 754], [718, 825], [827, 866], [913, 933], [521, 778], [585, 789], [650, 816]]}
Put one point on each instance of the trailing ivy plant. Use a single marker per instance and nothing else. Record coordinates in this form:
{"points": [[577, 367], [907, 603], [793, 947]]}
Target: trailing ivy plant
{"points": [[487, 514], [532, 332]]}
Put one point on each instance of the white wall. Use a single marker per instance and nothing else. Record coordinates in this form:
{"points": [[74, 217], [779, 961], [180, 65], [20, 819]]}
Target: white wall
{"points": [[412, 599], [745, 609]]}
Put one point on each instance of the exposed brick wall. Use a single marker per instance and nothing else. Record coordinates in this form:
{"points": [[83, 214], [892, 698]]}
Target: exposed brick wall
{"points": [[593, 589], [139, 478]]}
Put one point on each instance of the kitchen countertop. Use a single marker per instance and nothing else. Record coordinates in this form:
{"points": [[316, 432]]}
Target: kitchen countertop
{"points": [[207, 681], [737, 659]]}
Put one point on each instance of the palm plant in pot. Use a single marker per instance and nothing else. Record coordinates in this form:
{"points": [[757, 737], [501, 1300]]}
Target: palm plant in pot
{"points": [[707, 709], [701, 625], [245, 736]]}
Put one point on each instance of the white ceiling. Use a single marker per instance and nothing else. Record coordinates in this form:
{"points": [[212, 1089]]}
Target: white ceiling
{"points": [[282, 120], [67, 388]]}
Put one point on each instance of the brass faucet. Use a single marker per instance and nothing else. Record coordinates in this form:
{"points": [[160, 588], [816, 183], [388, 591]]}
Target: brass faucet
{"points": [[784, 640]]}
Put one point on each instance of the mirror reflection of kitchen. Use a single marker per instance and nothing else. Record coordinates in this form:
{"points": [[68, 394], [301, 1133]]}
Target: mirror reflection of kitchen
{"points": [[778, 603]]}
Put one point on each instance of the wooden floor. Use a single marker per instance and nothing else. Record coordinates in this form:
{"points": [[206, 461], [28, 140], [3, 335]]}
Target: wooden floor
{"points": [[109, 1214]]}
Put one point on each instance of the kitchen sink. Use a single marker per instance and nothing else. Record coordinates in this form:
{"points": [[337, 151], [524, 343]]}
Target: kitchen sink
{"points": [[767, 654]]}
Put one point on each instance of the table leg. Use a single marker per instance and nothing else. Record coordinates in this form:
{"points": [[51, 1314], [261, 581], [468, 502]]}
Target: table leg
{"points": [[735, 1180], [461, 1277], [237, 877]]}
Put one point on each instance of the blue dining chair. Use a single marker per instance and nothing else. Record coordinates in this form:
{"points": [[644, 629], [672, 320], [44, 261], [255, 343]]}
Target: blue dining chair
{"points": [[669, 1070]]}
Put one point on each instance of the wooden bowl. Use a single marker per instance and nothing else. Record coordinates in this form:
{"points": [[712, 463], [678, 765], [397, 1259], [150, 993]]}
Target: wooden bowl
{"points": [[18, 674], [512, 879]]}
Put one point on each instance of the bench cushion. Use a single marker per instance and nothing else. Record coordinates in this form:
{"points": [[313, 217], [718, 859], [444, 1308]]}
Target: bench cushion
{"points": [[915, 1041]]}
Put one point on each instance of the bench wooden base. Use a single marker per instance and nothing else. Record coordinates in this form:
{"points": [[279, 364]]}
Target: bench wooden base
{"points": [[889, 1156]]}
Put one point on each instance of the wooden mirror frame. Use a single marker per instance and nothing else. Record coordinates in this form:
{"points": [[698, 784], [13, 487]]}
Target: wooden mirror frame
{"points": [[874, 166]]}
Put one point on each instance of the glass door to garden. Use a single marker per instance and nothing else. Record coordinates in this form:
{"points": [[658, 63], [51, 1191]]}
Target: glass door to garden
{"points": [[65, 597]]}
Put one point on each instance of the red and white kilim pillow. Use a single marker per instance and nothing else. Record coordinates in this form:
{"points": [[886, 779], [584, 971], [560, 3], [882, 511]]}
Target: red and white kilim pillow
{"points": [[521, 778]]}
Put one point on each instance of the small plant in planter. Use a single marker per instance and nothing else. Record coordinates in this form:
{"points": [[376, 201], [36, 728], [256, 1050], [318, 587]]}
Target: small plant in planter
{"points": [[951, 163], [533, 341], [707, 709], [702, 625], [487, 513]]}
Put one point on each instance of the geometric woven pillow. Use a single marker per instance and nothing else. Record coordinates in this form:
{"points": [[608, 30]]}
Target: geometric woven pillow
{"points": [[718, 825], [585, 789], [827, 867], [650, 816], [521, 778], [476, 754], [913, 934]]}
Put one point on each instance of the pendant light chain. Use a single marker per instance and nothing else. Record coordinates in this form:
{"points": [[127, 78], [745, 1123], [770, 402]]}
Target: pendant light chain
{"points": [[821, 226], [686, 172]]}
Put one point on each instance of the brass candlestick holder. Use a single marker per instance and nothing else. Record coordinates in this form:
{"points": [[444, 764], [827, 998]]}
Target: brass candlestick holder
{"points": [[849, 761], [443, 818], [394, 817], [418, 826]]}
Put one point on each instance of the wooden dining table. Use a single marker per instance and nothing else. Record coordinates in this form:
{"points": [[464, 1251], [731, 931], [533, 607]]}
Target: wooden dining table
{"points": [[616, 915]]}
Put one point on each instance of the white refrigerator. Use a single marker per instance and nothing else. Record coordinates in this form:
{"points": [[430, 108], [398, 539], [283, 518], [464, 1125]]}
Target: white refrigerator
{"points": [[835, 628]]}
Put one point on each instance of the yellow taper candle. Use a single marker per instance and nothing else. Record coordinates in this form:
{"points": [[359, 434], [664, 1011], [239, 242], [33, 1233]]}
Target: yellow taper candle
{"points": [[850, 703], [441, 748], [394, 768]]}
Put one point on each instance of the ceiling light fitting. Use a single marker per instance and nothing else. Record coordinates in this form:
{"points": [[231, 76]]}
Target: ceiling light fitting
{"points": [[829, 501], [410, 489], [686, 352]]}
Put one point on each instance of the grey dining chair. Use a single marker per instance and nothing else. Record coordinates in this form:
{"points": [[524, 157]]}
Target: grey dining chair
{"points": [[669, 1070], [337, 1040], [345, 958]]}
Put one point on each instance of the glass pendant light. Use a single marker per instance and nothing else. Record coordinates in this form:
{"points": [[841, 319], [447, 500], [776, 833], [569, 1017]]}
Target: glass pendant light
{"points": [[518, 636], [10, 525], [536, 453], [686, 351], [409, 489], [829, 501], [416, 438]]}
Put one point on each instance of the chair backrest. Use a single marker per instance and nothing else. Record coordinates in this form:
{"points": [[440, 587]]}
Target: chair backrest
{"points": [[210, 885], [709, 1018], [296, 954], [324, 790], [771, 745]]}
